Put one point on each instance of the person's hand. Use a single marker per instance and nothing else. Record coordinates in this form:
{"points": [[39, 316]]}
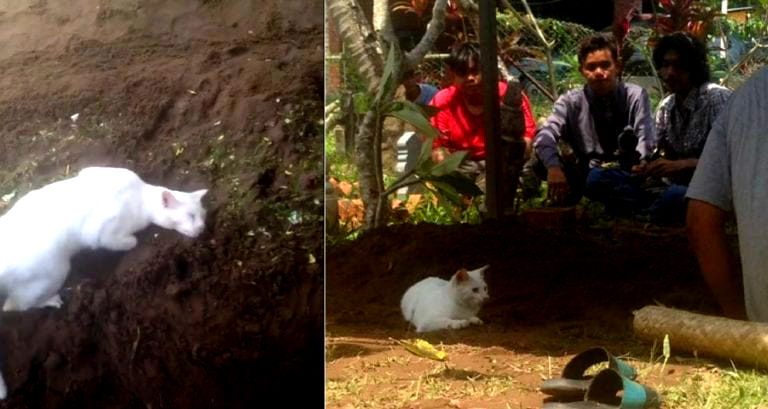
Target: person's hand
{"points": [[557, 185], [528, 148], [439, 154], [640, 169], [665, 167]]}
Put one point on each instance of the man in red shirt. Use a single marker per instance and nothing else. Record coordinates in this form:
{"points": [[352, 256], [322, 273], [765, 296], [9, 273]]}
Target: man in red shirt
{"points": [[460, 111]]}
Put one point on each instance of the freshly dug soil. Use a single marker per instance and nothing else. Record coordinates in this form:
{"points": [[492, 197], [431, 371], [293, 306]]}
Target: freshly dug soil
{"points": [[225, 95], [556, 288]]}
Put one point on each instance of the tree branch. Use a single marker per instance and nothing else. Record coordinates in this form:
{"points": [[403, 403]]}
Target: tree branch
{"points": [[535, 25], [472, 12], [748, 55], [470, 6], [434, 29], [548, 45]]}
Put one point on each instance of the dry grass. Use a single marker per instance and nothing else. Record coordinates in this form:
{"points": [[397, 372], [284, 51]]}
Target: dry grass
{"points": [[391, 378], [394, 378]]}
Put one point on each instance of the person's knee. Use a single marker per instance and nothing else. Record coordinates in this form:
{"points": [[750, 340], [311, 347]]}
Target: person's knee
{"points": [[675, 194], [535, 166], [596, 176], [598, 179]]}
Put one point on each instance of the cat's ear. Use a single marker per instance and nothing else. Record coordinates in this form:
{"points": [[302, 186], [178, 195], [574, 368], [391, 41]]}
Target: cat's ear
{"points": [[169, 201], [461, 275], [483, 269], [198, 194]]}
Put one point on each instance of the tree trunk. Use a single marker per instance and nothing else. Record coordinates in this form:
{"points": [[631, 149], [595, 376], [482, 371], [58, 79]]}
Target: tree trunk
{"points": [[364, 47], [359, 39], [367, 49], [371, 179]]}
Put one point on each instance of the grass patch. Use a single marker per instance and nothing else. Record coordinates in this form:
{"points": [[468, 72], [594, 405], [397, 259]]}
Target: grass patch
{"points": [[339, 165], [705, 386], [718, 388], [388, 379], [391, 380]]}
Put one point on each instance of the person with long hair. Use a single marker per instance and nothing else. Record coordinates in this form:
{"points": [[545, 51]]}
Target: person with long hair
{"points": [[683, 120]]}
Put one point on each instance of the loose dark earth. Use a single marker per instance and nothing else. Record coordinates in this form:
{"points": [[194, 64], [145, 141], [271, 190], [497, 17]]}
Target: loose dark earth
{"points": [[554, 292], [225, 95]]}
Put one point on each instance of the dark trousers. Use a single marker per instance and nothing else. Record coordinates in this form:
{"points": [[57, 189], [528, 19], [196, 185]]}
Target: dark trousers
{"points": [[575, 173], [617, 189], [512, 153]]}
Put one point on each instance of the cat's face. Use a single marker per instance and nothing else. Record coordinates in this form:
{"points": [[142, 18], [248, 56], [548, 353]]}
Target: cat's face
{"points": [[184, 212], [470, 286]]}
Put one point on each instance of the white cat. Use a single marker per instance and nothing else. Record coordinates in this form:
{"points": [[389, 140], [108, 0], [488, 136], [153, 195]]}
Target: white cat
{"points": [[101, 207], [434, 303]]}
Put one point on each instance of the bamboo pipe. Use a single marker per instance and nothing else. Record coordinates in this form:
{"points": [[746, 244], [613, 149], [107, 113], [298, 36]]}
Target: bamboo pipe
{"points": [[741, 341]]}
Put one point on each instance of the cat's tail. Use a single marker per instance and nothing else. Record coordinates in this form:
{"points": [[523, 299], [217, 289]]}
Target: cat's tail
{"points": [[406, 306], [3, 388]]}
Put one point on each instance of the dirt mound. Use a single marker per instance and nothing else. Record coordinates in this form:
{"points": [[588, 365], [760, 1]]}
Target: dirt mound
{"points": [[224, 95], [540, 280], [553, 292]]}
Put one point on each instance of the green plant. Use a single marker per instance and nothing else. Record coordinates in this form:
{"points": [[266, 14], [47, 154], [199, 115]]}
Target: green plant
{"points": [[573, 78], [430, 212], [755, 29], [541, 106], [754, 35], [442, 178], [339, 166], [719, 388], [693, 16]]}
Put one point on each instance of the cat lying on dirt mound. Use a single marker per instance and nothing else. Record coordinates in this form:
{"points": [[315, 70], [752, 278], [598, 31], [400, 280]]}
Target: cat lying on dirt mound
{"points": [[101, 207], [434, 303]]}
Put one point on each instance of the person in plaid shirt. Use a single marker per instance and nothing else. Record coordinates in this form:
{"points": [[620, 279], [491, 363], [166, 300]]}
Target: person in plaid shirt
{"points": [[683, 121]]}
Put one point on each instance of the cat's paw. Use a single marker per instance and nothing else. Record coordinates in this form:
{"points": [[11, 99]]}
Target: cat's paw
{"points": [[3, 389], [54, 302], [476, 321], [122, 243], [458, 324], [9, 305]]}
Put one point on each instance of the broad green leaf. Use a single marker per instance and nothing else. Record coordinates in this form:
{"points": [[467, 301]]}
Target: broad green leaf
{"points": [[447, 198], [446, 191], [460, 183], [387, 77], [423, 167], [428, 110], [449, 164], [425, 155], [411, 113]]}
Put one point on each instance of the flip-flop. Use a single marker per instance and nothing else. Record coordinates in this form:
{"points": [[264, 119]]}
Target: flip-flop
{"points": [[604, 391], [573, 384]]}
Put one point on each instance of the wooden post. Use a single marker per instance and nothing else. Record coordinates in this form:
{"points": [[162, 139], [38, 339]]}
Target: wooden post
{"points": [[488, 58]]}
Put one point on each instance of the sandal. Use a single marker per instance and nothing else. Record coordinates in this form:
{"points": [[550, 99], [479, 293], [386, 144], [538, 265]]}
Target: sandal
{"points": [[611, 390], [573, 384]]}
